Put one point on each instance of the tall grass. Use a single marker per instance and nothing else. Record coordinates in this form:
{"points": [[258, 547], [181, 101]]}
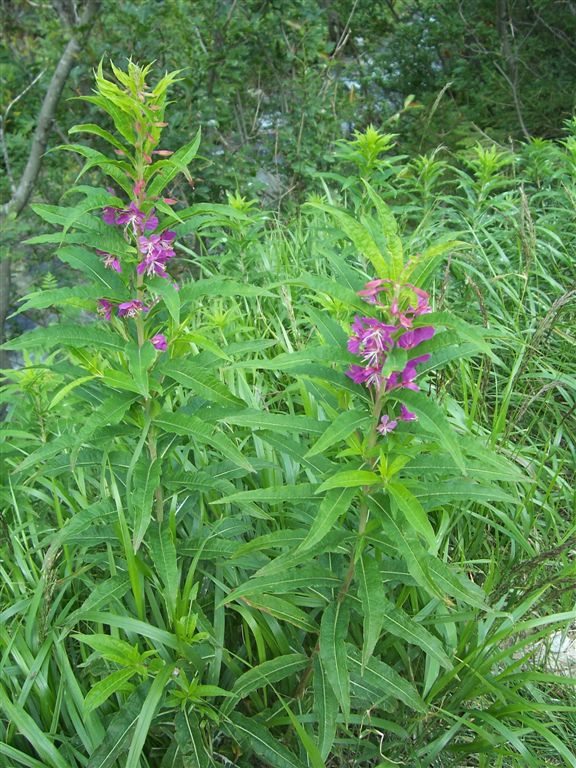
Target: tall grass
{"points": [[197, 647]]}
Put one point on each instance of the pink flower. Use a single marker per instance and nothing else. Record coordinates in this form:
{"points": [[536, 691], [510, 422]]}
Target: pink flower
{"points": [[109, 214], [110, 261], [156, 249], [131, 308], [386, 425], [133, 215], [412, 339], [406, 415], [159, 342], [105, 308]]}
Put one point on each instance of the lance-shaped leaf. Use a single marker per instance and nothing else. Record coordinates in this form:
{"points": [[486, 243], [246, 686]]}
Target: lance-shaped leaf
{"points": [[383, 680], [181, 423], [294, 580], [333, 505], [63, 335], [432, 420], [140, 359], [361, 238], [163, 554], [254, 735], [339, 429], [333, 633], [350, 478], [146, 480], [262, 675], [389, 229], [325, 708], [195, 376], [188, 736], [412, 511]]}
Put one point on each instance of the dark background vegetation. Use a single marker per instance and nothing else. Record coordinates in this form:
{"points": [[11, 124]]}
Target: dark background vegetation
{"points": [[274, 84]]}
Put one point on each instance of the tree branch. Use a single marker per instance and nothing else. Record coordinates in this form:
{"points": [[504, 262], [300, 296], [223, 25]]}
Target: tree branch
{"points": [[25, 187], [46, 115]]}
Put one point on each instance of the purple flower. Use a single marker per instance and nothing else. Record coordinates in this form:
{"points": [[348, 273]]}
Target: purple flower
{"points": [[131, 308], [373, 288], [109, 214], [371, 339], [156, 249], [140, 222], [357, 373], [412, 339], [159, 342], [110, 261], [406, 415], [105, 308], [386, 425]]}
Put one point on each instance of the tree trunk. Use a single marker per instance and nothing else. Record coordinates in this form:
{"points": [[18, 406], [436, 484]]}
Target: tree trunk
{"points": [[29, 176]]}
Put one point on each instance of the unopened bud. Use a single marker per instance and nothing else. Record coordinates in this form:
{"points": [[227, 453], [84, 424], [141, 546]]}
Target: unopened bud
{"points": [[163, 152]]}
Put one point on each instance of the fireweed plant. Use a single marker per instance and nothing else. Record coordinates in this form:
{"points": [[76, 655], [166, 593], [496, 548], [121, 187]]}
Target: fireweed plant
{"points": [[225, 557]]}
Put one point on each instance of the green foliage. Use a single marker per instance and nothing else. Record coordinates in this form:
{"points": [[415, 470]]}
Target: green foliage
{"points": [[211, 556]]}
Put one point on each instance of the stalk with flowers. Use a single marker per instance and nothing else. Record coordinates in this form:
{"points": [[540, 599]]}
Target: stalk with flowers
{"points": [[229, 600]]}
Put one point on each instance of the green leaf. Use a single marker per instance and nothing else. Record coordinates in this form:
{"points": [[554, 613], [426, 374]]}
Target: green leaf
{"points": [[140, 359], [77, 524], [360, 237], [110, 411], [83, 296], [283, 610], [383, 680], [199, 380], [169, 294], [350, 478], [251, 733], [190, 742], [333, 505], [422, 266], [264, 674], [325, 709], [119, 730], [27, 727], [379, 613], [145, 481], [166, 170], [97, 131], [91, 264], [412, 510], [390, 230], [62, 335], [103, 689], [146, 715], [181, 423], [102, 594], [70, 387], [432, 420], [281, 422], [111, 648], [341, 428], [333, 633], [288, 581], [271, 495], [163, 555], [460, 490], [371, 593], [218, 286]]}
